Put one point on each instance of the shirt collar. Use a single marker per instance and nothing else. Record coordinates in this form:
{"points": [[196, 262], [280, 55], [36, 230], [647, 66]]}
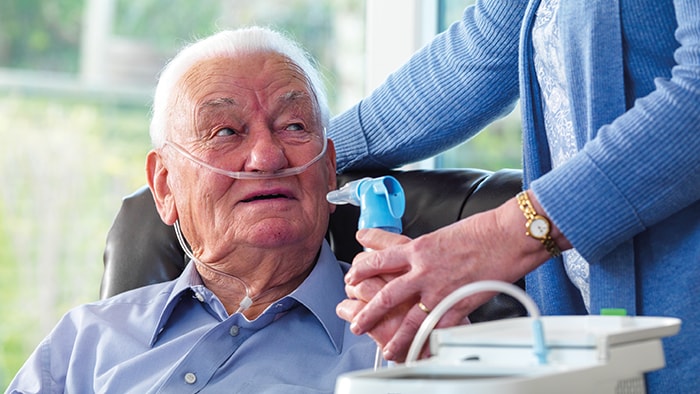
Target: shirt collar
{"points": [[181, 287], [320, 292]]}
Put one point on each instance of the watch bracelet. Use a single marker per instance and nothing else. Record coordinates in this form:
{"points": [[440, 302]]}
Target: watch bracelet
{"points": [[529, 211], [551, 246]]}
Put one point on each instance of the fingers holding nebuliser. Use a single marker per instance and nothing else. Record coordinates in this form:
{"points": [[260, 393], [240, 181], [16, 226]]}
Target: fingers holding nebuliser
{"points": [[393, 294], [367, 264], [384, 330], [377, 239], [348, 308], [366, 289]]}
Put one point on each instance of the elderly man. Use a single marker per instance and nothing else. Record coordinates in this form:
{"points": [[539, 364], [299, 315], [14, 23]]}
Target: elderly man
{"points": [[241, 166]]}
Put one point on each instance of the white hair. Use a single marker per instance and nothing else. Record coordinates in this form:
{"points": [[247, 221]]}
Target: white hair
{"points": [[229, 44]]}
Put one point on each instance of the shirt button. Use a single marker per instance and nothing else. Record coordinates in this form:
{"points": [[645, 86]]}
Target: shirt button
{"points": [[234, 331], [190, 378]]}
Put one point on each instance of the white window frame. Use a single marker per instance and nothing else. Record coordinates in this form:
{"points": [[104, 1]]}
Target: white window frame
{"points": [[395, 30]]}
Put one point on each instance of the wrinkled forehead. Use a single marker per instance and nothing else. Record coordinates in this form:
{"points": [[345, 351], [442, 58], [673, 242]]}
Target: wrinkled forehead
{"points": [[267, 75]]}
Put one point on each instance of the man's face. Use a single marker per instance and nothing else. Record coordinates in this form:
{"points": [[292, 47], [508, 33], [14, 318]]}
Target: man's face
{"points": [[256, 113]]}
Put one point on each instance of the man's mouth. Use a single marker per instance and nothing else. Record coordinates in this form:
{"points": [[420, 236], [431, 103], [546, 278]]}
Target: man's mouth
{"points": [[266, 197]]}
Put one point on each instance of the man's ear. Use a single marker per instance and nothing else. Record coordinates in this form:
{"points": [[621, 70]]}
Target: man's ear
{"points": [[332, 166], [157, 175]]}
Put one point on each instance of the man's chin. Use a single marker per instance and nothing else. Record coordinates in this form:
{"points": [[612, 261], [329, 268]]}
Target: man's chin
{"points": [[274, 232]]}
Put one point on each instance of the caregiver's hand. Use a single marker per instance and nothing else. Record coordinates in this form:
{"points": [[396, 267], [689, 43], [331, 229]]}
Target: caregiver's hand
{"points": [[488, 246]]}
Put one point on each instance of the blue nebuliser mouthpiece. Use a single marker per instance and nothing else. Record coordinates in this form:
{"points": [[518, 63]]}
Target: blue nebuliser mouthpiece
{"points": [[381, 200]]}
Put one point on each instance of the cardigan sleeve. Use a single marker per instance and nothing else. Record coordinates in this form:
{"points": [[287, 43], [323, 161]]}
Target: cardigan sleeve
{"points": [[448, 91], [642, 167]]}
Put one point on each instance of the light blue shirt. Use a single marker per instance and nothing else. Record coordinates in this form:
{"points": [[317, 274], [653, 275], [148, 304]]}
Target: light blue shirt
{"points": [[176, 337]]}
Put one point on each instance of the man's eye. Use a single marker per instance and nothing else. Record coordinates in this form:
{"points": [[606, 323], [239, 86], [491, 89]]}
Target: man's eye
{"points": [[224, 132], [295, 133], [295, 127]]}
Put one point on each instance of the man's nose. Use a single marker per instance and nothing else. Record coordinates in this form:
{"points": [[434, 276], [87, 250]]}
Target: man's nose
{"points": [[266, 153]]}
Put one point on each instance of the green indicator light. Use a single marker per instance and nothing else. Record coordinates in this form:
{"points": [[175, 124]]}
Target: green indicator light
{"points": [[613, 312]]}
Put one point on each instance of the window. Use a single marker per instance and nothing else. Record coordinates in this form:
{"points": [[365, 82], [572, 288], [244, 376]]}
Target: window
{"points": [[396, 29], [499, 145]]}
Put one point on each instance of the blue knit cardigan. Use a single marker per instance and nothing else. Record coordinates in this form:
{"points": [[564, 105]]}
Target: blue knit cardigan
{"points": [[629, 201]]}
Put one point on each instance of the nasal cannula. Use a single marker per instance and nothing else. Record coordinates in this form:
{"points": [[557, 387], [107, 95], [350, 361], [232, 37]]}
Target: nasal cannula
{"points": [[247, 301]]}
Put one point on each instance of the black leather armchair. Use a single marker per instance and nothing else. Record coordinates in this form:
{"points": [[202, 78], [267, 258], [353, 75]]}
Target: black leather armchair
{"points": [[141, 250]]}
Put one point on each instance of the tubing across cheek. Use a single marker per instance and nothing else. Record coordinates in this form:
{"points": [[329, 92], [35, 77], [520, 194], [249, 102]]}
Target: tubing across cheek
{"points": [[285, 172]]}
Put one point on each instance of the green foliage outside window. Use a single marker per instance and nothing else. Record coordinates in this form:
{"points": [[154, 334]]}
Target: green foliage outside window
{"points": [[40, 35], [64, 171]]}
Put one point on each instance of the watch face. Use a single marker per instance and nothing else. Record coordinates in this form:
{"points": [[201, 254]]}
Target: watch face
{"points": [[539, 227]]}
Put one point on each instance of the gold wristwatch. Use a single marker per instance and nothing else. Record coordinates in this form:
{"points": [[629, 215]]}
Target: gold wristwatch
{"points": [[538, 226]]}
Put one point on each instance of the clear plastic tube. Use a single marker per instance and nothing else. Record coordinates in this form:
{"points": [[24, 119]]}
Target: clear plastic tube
{"points": [[378, 358], [539, 347], [249, 174], [246, 302]]}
